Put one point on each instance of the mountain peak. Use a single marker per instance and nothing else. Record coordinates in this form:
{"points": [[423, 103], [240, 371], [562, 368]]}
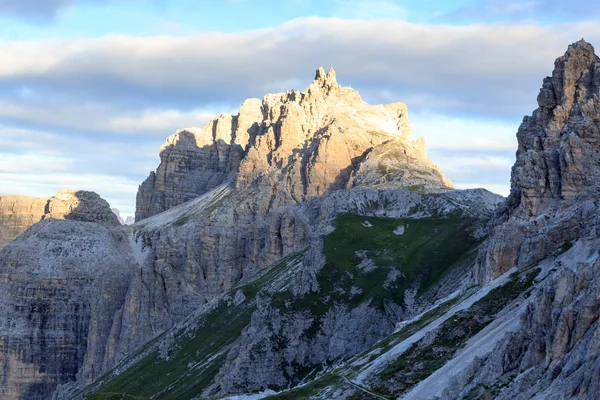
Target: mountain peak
{"points": [[557, 142], [295, 146], [326, 81]]}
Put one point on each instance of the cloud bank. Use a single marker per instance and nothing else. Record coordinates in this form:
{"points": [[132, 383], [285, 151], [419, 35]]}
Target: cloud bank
{"points": [[103, 106]]}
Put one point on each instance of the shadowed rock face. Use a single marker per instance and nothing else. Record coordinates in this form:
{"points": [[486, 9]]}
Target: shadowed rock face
{"points": [[187, 170], [17, 213], [558, 154], [61, 283], [292, 147], [63, 287], [557, 165]]}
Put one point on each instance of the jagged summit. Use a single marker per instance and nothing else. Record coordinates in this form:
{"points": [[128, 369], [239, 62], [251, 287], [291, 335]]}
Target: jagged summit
{"points": [[293, 146], [327, 81], [559, 140], [557, 165]]}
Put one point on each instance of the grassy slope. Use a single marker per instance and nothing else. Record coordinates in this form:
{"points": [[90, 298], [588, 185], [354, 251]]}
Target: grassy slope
{"points": [[422, 359], [427, 250], [200, 352]]}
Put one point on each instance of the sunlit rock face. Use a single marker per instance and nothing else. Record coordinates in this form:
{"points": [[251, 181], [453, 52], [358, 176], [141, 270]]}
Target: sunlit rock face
{"points": [[17, 213], [293, 146]]}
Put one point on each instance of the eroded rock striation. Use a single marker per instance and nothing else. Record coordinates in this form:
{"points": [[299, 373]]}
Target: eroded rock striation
{"points": [[293, 146], [17, 213], [62, 282]]}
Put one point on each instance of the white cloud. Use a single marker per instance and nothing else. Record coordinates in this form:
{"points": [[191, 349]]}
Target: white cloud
{"points": [[158, 123], [100, 108], [483, 70]]}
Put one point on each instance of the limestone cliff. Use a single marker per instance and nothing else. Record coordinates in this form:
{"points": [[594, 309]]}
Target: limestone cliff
{"points": [[17, 213], [293, 146], [557, 165], [549, 222]]}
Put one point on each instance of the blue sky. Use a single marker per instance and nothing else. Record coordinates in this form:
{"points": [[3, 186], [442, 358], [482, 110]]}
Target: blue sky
{"points": [[90, 89]]}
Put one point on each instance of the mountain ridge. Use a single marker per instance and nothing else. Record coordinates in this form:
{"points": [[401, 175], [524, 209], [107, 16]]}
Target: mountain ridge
{"points": [[300, 271]]}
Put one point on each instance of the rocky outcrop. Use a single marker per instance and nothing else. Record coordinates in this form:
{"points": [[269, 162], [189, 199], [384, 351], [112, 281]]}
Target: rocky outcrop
{"points": [[557, 156], [557, 164], [555, 353], [292, 147], [193, 161], [17, 213]]}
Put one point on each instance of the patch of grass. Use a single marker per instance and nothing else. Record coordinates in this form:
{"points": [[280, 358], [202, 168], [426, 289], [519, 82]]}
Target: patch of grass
{"points": [[563, 249], [417, 189], [192, 366], [182, 220], [409, 329], [325, 381], [265, 280], [200, 352], [422, 359], [113, 396], [425, 251]]}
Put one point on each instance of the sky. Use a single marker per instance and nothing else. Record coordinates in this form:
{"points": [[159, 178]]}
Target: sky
{"points": [[90, 89]]}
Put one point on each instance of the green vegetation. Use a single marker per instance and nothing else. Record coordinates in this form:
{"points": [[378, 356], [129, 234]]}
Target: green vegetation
{"points": [[113, 396], [417, 188], [563, 249], [271, 277], [192, 366], [199, 353], [182, 220], [404, 333], [422, 358], [325, 381], [426, 250]]}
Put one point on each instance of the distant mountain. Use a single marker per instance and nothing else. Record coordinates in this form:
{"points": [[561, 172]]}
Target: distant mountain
{"points": [[17, 213], [118, 214]]}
